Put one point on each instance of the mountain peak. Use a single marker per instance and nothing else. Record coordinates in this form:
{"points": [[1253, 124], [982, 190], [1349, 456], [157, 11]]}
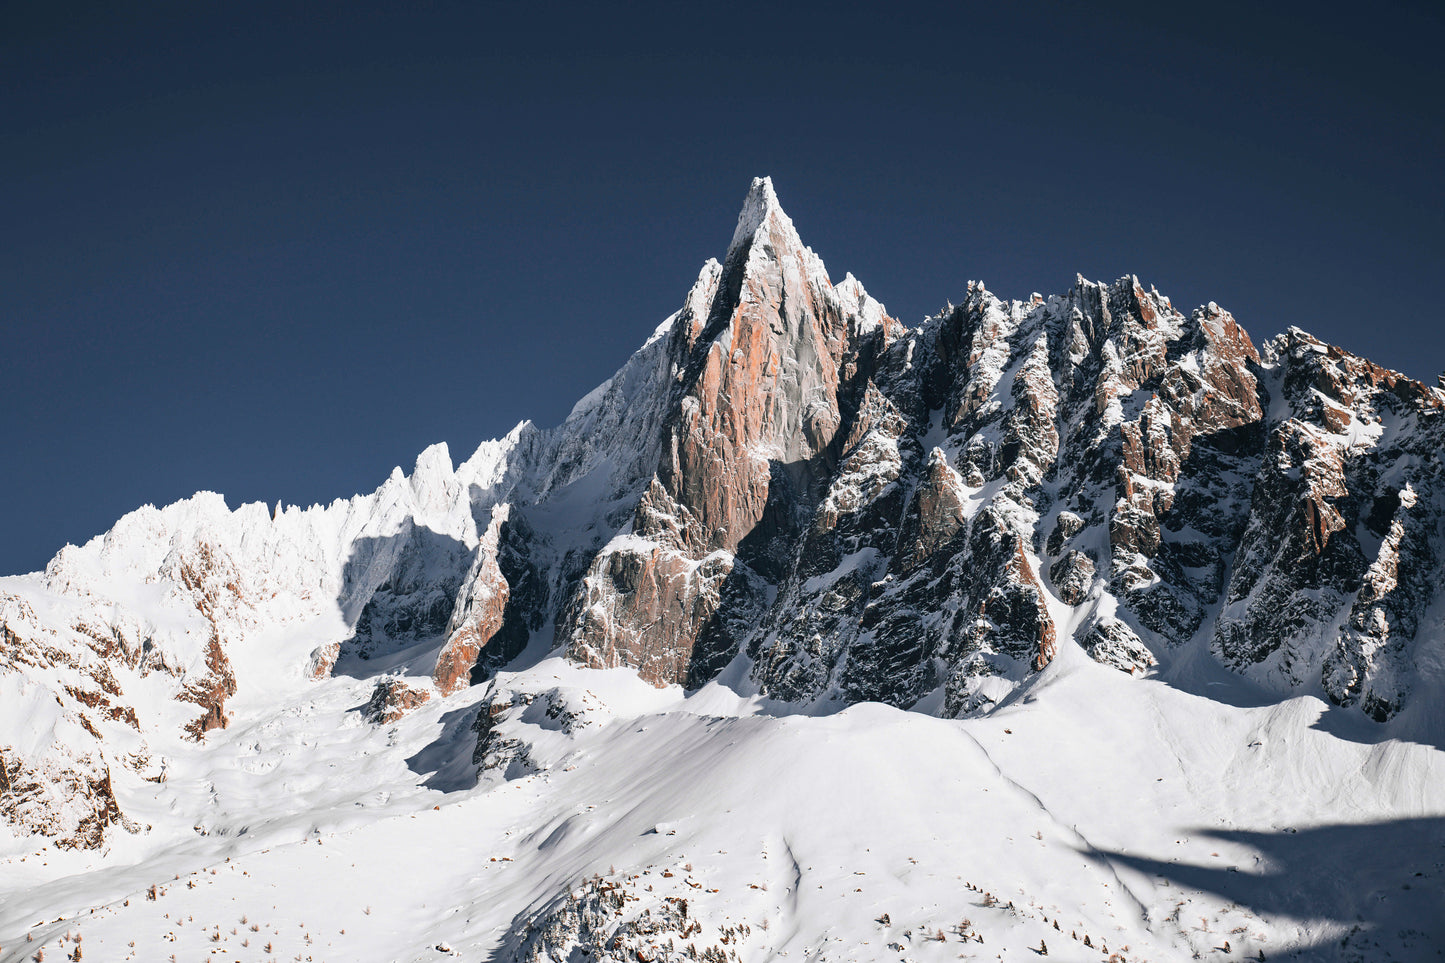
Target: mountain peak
{"points": [[758, 206], [1023, 513]]}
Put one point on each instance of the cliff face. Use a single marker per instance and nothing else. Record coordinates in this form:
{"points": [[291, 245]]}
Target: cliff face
{"points": [[1336, 574], [872, 513], [786, 483], [764, 381]]}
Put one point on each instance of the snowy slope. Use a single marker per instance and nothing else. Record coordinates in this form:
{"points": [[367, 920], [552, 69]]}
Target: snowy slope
{"points": [[1159, 828]]}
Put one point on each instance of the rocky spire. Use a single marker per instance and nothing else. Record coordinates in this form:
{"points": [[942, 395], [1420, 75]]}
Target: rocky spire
{"points": [[761, 399], [760, 208]]}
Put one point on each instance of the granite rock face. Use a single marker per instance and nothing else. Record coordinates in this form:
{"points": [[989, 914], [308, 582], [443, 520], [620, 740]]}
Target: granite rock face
{"points": [[393, 698], [1338, 563], [762, 387], [926, 507], [870, 512], [477, 622]]}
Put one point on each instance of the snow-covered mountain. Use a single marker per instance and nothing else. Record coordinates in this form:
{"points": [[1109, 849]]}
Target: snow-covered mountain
{"points": [[1128, 587]]}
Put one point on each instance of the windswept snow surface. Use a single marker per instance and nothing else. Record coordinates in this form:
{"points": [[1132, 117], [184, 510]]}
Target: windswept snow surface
{"points": [[1159, 824]]}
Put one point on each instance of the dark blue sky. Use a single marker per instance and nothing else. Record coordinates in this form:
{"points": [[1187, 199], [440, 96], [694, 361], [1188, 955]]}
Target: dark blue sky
{"points": [[275, 253]]}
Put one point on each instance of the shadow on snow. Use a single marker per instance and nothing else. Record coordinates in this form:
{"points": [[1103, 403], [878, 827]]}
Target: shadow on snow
{"points": [[1383, 883]]}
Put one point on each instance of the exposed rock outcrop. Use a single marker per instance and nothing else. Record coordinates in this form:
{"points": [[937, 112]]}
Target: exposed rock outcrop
{"points": [[393, 698], [1340, 557], [1072, 575], [760, 395], [479, 617], [322, 661], [58, 794]]}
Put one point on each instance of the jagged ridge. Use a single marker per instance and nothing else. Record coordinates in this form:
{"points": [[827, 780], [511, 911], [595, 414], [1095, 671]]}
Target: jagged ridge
{"points": [[788, 484]]}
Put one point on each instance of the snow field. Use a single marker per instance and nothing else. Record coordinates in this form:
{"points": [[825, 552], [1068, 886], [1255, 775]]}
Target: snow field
{"points": [[1106, 804]]}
